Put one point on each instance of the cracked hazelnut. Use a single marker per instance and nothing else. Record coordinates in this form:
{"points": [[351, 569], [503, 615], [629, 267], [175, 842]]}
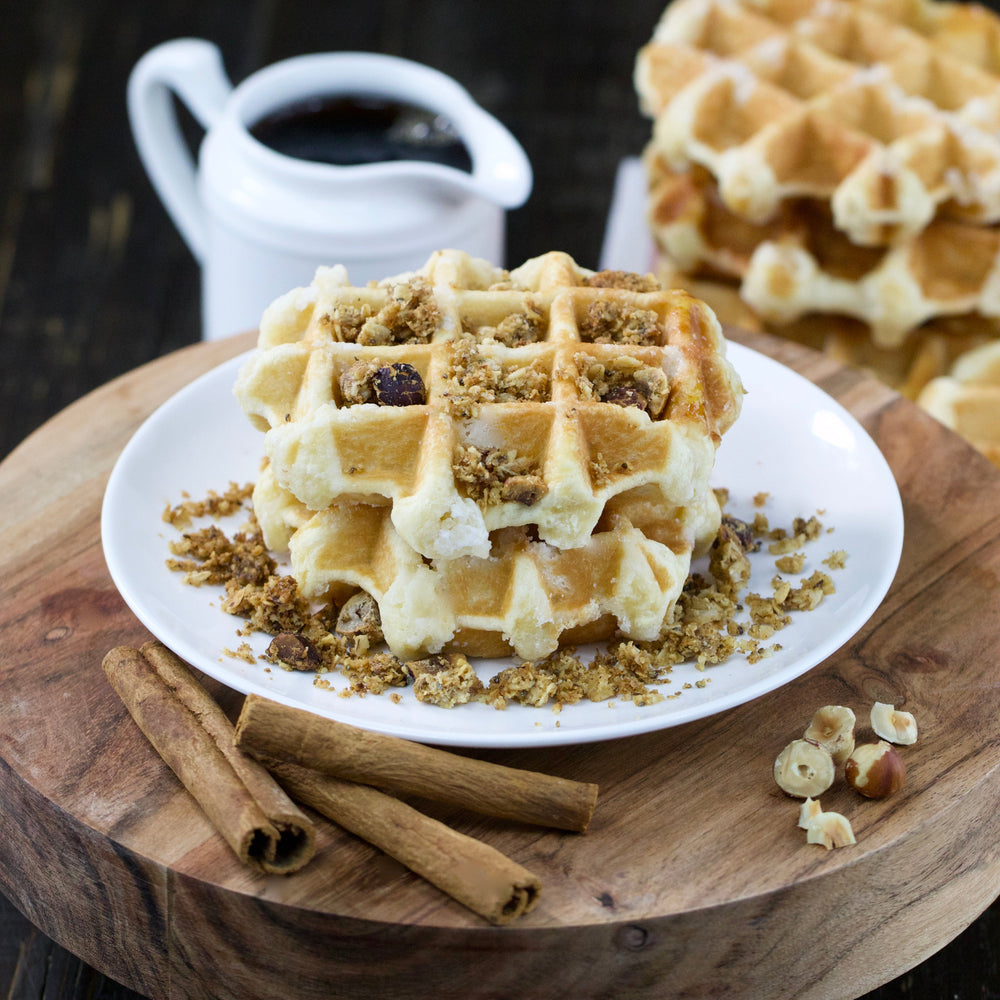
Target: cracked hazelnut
{"points": [[526, 490], [831, 830], [360, 616], [741, 531], [896, 727], [804, 769], [875, 770], [626, 395], [398, 384], [809, 810], [294, 650], [832, 727]]}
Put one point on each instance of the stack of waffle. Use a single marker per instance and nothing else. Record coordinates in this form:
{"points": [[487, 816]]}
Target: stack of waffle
{"points": [[504, 460], [829, 170]]}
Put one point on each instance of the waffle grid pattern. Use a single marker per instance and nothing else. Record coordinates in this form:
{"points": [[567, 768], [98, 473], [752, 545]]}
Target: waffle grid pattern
{"points": [[581, 450], [836, 157]]}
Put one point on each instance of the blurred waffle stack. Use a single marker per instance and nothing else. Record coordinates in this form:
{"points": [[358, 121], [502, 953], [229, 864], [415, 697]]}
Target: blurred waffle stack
{"points": [[829, 170]]}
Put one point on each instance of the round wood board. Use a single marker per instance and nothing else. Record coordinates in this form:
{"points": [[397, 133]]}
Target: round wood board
{"points": [[693, 878]]}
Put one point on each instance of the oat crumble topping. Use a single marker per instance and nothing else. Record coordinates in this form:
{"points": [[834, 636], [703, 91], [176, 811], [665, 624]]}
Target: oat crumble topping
{"points": [[625, 381], [609, 322], [214, 505], [704, 628], [628, 280], [474, 379], [495, 475], [514, 330], [383, 383], [409, 317]]}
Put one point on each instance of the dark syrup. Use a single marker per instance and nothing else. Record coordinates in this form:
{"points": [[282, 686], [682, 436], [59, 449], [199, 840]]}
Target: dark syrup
{"points": [[348, 131]]}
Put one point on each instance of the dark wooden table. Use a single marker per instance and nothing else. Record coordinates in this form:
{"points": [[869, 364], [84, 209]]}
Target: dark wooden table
{"points": [[94, 280]]}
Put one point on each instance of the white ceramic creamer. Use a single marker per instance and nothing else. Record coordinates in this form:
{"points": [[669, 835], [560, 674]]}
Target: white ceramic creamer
{"points": [[259, 222]]}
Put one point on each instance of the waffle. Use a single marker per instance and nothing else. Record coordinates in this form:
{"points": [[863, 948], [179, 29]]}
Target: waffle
{"points": [[968, 399], [510, 382], [927, 353], [798, 263], [526, 597], [886, 110]]}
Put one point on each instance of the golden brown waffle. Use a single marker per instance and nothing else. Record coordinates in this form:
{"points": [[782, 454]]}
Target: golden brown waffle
{"points": [[887, 111], [524, 597], [532, 397], [925, 354], [798, 263], [967, 399]]}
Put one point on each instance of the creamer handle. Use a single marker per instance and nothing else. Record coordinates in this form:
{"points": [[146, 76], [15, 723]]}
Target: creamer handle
{"points": [[191, 69], [502, 172]]}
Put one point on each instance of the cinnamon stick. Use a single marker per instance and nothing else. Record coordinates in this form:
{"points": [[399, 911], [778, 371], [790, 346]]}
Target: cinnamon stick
{"points": [[268, 729], [477, 875], [195, 738]]}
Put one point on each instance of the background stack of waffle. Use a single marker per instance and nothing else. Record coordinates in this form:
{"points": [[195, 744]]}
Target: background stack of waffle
{"points": [[502, 460], [829, 170]]}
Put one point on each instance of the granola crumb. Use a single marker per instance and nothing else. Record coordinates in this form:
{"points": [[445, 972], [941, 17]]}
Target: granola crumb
{"points": [[445, 681], [242, 652], [409, 316], [792, 563], [516, 329], [215, 504], [624, 381]]}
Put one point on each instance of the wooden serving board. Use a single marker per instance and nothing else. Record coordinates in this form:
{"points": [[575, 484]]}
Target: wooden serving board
{"points": [[693, 878]]}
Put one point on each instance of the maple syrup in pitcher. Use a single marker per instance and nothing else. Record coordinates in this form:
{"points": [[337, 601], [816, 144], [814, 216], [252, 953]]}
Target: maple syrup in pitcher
{"points": [[351, 130]]}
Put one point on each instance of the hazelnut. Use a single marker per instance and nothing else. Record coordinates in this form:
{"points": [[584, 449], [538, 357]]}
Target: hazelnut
{"points": [[832, 727], [741, 531], [809, 811], [896, 727], [831, 830], [398, 384], [875, 770], [293, 650], [804, 769], [626, 395], [526, 490], [360, 617]]}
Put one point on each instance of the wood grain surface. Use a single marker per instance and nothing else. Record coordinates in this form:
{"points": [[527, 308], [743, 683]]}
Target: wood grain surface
{"points": [[692, 878], [95, 281]]}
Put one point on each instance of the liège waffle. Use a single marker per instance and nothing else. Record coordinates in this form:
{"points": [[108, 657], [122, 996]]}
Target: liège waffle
{"points": [[525, 597], [888, 110], [927, 353], [798, 263], [467, 399], [967, 399]]}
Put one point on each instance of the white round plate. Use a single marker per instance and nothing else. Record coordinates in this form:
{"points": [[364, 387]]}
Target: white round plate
{"points": [[792, 442]]}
